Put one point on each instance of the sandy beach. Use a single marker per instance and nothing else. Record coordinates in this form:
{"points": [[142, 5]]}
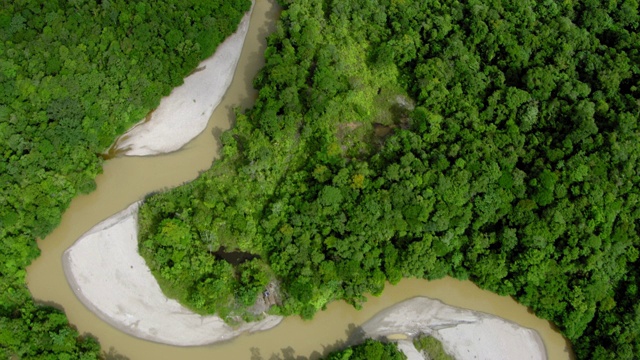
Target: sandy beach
{"points": [[184, 114], [108, 275], [104, 268], [465, 334]]}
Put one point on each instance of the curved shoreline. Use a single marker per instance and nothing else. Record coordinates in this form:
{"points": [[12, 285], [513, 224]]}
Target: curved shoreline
{"points": [[69, 264], [103, 266], [108, 275], [465, 334], [184, 114]]}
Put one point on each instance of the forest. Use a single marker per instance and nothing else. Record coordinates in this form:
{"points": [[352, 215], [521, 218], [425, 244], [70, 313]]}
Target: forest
{"points": [[494, 141], [73, 76]]}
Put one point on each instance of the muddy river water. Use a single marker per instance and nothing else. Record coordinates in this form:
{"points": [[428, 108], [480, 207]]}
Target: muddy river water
{"points": [[128, 179]]}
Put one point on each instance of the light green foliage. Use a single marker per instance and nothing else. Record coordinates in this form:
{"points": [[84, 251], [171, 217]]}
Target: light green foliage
{"points": [[432, 347], [516, 169]]}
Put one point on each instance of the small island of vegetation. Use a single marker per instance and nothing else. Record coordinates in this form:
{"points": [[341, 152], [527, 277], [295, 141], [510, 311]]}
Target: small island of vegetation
{"points": [[426, 346], [369, 350]]}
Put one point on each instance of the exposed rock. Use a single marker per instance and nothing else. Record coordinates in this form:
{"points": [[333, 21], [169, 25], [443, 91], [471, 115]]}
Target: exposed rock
{"points": [[269, 297], [405, 102]]}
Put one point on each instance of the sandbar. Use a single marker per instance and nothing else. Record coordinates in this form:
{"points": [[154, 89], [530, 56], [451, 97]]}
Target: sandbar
{"points": [[108, 275], [185, 112], [465, 334]]}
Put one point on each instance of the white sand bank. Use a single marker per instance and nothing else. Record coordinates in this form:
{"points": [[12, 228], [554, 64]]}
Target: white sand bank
{"points": [[184, 114], [108, 275], [465, 334]]}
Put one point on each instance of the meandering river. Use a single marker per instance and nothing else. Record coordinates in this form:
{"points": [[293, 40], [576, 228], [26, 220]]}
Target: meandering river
{"points": [[128, 179]]}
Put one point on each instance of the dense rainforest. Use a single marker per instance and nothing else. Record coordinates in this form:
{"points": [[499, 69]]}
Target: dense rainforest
{"points": [[73, 76], [495, 141]]}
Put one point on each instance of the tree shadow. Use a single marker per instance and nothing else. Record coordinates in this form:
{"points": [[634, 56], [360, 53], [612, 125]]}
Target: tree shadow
{"points": [[49, 304], [354, 334], [113, 355]]}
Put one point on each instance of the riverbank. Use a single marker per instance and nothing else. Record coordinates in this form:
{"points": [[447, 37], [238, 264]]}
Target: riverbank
{"points": [[127, 179], [108, 275], [465, 334], [184, 114], [104, 268]]}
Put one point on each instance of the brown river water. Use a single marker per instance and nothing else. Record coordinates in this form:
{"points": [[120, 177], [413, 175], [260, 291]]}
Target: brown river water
{"points": [[128, 179]]}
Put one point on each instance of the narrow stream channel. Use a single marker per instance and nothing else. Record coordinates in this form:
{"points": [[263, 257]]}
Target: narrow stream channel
{"points": [[128, 179]]}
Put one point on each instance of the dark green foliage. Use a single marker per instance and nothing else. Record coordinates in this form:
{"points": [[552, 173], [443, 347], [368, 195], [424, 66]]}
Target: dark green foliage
{"points": [[73, 75], [37, 332], [511, 161], [369, 350]]}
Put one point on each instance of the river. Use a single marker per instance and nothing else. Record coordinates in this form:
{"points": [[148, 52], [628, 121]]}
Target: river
{"points": [[128, 179]]}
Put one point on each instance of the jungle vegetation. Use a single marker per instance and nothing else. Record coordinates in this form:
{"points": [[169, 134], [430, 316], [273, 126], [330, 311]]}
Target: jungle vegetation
{"points": [[369, 350], [73, 76], [489, 140]]}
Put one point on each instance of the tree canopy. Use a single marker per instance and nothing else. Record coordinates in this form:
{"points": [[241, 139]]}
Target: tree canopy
{"points": [[494, 141], [73, 76]]}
